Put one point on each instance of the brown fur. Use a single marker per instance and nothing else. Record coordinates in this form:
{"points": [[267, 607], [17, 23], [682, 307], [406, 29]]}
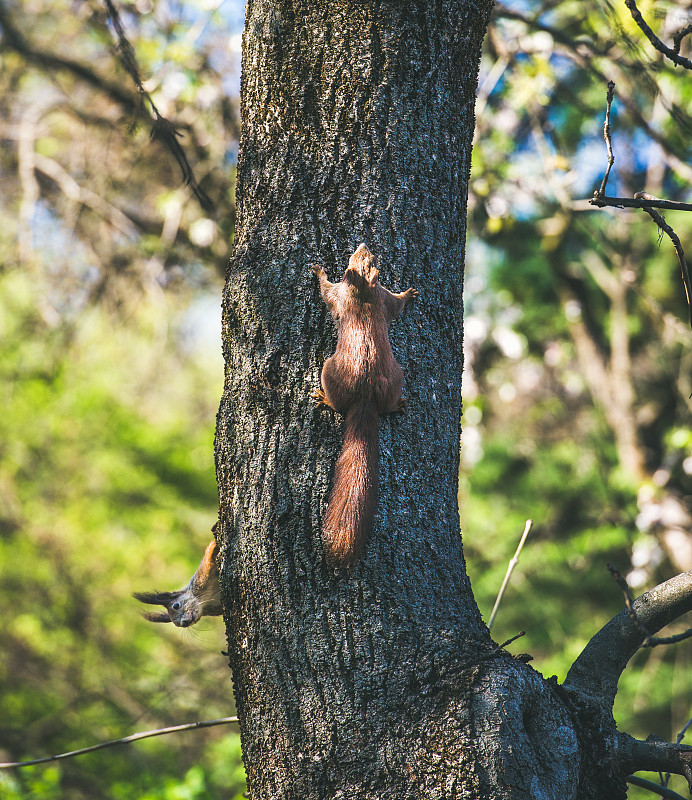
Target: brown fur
{"points": [[200, 598], [361, 380]]}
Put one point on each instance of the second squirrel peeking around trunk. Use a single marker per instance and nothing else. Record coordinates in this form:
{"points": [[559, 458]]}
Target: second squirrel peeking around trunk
{"points": [[361, 380]]}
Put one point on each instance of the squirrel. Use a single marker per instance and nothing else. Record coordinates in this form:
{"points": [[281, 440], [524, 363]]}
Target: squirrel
{"points": [[361, 380], [200, 598]]}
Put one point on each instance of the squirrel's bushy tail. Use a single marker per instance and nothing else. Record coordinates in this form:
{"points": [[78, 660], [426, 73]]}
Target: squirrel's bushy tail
{"points": [[353, 500]]}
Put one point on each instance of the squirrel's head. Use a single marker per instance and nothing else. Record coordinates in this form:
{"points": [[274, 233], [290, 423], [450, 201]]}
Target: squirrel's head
{"points": [[361, 273], [182, 608]]}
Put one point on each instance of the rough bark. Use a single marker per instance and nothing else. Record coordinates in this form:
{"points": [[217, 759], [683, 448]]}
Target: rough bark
{"points": [[378, 681]]}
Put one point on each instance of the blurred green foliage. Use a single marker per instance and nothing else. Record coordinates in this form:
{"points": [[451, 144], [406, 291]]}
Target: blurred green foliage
{"points": [[576, 393], [106, 486], [110, 376], [578, 348]]}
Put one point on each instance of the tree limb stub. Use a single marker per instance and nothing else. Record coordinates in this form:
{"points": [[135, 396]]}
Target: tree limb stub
{"points": [[654, 756], [600, 664]]}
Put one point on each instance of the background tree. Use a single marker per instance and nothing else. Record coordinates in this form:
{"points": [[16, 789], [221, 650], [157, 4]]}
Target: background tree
{"points": [[592, 303]]}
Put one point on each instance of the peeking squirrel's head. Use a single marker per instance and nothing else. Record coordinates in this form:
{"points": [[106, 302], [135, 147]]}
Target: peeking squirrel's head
{"points": [[201, 597], [182, 607]]}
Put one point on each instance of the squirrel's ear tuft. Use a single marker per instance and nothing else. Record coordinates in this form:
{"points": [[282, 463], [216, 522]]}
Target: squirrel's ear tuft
{"points": [[157, 617], [154, 598]]}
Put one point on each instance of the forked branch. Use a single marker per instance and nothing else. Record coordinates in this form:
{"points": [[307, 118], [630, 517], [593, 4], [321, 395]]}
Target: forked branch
{"points": [[598, 668], [644, 201], [668, 52], [654, 755], [649, 639]]}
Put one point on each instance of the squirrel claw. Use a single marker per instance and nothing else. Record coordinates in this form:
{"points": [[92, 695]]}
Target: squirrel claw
{"points": [[401, 405], [321, 399]]}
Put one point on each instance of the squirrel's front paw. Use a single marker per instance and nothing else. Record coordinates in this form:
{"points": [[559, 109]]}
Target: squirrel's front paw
{"points": [[317, 269], [321, 398], [411, 294]]}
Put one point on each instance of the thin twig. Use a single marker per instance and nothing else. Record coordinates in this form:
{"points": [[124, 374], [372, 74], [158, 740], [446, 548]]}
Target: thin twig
{"points": [[682, 733], [656, 788], [679, 36], [678, 740], [512, 639], [649, 203], [663, 225], [163, 129], [643, 200], [510, 568], [135, 737], [676, 58], [649, 640], [606, 137]]}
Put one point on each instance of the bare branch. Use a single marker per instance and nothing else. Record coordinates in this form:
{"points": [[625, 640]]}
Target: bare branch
{"points": [[674, 56], [644, 201], [679, 36], [135, 737], [510, 568], [678, 739], [606, 137], [656, 788], [649, 640], [682, 733], [638, 202], [600, 664], [654, 755], [512, 639], [663, 225], [163, 129]]}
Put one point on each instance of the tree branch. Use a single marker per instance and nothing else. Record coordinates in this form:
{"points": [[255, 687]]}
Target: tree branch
{"points": [[510, 568], [679, 36], [675, 239], [135, 737], [606, 136], [678, 739], [600, 664], [163, 129], [644, 201], [639, 201], [649, 640], [13, 39], [674, 56], [648, 203], [655, 788], [654, 755]]}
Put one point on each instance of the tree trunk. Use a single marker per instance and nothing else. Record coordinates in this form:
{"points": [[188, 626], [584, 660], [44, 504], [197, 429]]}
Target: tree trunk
{"points": [[378, 681]]}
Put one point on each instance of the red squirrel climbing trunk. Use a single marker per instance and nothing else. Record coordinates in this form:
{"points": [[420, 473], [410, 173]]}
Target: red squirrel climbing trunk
{"points": [[361, 380]]}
